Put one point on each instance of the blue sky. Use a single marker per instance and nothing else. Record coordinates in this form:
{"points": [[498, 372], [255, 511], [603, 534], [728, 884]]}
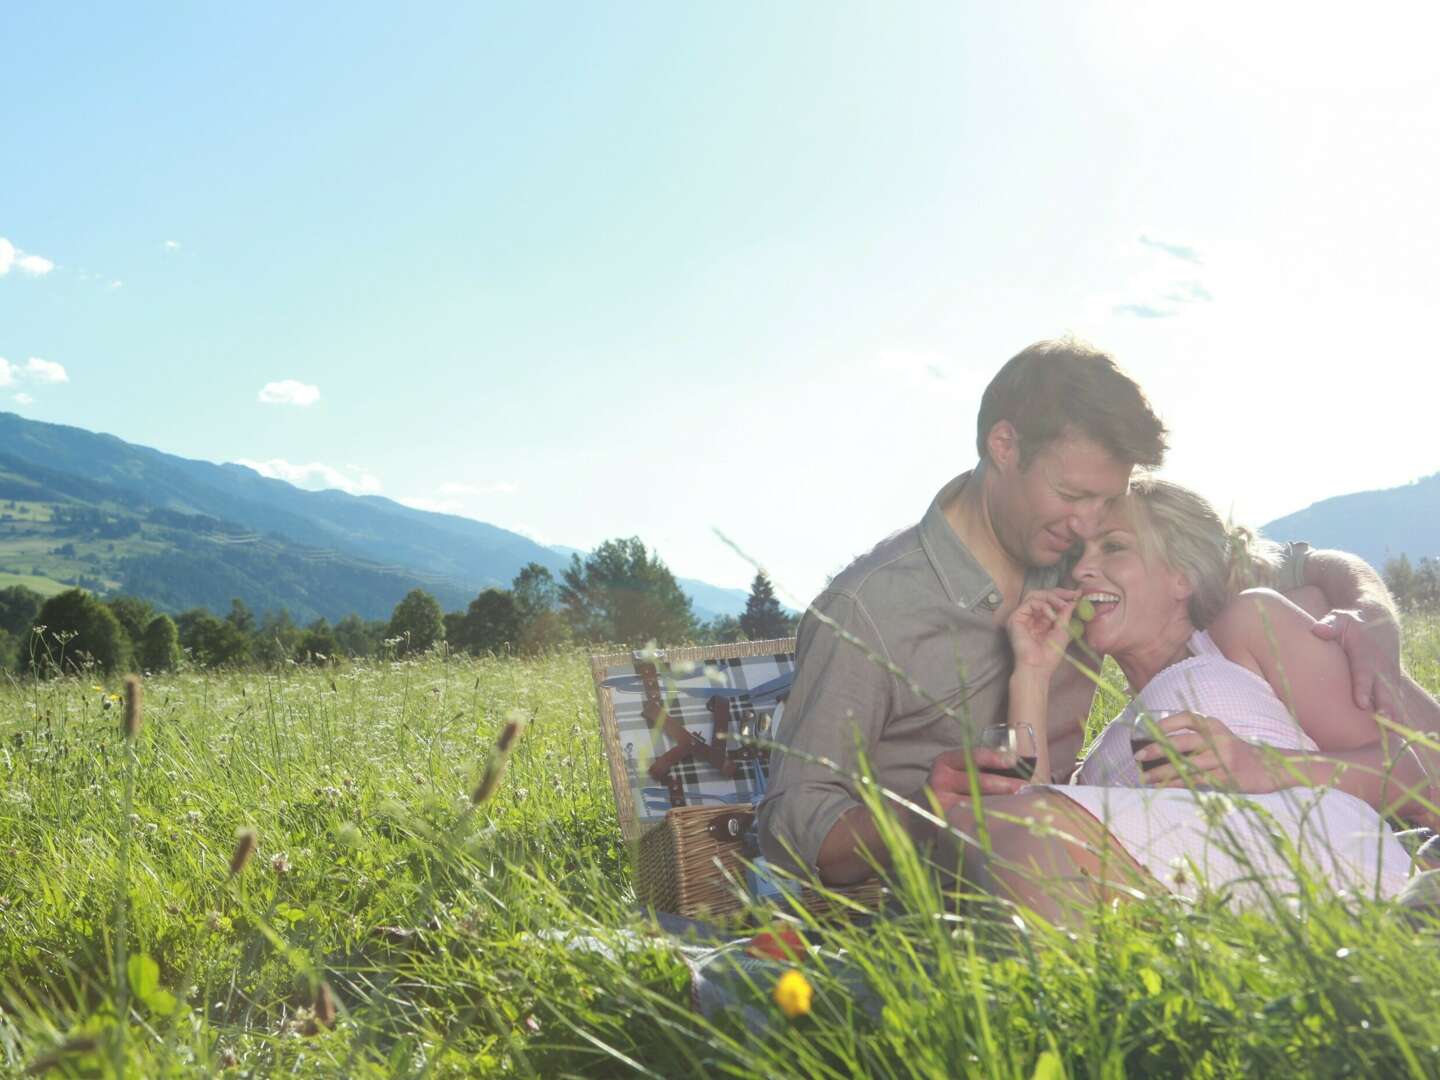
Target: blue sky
{"points": [[592, 270]]}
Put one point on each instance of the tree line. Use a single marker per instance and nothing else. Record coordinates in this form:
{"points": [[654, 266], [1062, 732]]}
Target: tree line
{"points": [[1414, 587], [619, 593]]}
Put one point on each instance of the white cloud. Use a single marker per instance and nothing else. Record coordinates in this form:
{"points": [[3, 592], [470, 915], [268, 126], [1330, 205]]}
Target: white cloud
{"points": [[316, 475], [917, 373], [34, 265], [531, 534], [289, 392], [172, 245], [1148, 286], [1185, 252], [434, 506], [500, 487], [45, 371], [7, 372], [453, 497], [116, 284], [24, 399], [26, 263]]}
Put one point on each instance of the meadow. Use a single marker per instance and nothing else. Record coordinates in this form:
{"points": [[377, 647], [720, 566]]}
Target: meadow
{"points": [[387, 925]]}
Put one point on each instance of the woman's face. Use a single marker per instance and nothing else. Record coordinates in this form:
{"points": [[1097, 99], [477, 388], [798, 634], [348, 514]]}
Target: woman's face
{"points": [[1136, 596]]}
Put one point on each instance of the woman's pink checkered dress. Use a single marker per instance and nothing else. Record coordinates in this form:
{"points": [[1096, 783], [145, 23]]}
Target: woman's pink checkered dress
{"points": [[1227, 842]]}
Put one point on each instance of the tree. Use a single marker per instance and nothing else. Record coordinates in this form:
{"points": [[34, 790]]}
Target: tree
{"points": [[355, 636], [18, 607], [1426, 594], [764, 618], [534, 590], [276, 641], [418, 621], [491, 622], [78, 629], [134, 615], [536, 598], [622, 593], [722, 630], [159, 646], [455, 639], [211, 642], [241, 617], [318, 645], [1400, 580]]}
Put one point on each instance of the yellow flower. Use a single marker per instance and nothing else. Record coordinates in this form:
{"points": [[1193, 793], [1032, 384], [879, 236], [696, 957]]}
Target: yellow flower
{"points": [[793, 993]]}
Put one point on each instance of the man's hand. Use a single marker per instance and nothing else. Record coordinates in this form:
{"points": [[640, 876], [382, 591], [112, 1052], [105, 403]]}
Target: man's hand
{"points": [[950, 777], [1372, 645], [1213, 756]]}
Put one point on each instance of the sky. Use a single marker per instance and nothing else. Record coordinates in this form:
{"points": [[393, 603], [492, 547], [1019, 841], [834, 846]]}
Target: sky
{"points": [[590, 270]]}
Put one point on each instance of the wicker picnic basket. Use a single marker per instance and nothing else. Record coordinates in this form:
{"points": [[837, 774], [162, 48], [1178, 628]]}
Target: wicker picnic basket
{"points": [[685, 797]]}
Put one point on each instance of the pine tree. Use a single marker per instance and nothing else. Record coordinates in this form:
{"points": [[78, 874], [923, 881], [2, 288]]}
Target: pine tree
{"points": [[764, 618]]}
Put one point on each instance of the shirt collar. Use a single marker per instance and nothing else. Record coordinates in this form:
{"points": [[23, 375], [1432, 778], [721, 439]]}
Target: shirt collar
{"points": [[965, 581]]}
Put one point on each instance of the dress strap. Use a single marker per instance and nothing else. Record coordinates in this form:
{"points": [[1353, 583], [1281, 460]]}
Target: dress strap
{"points": [[1201, 644]]}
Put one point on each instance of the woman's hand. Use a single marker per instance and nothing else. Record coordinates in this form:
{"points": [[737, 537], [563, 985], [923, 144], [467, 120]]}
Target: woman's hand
{"points": [[1214, 757], [1039, 629]]}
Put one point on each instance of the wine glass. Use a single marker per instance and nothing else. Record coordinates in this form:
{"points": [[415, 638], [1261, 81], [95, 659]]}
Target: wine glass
{"points": [[1019, 741], [1144, 731]]}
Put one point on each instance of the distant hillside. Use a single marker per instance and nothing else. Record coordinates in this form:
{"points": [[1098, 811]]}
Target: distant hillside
{"points": [[82, 508], [1376, 525]]}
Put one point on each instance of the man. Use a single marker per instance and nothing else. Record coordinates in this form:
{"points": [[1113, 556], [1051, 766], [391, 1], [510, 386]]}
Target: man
{"points": [[907, 644]]}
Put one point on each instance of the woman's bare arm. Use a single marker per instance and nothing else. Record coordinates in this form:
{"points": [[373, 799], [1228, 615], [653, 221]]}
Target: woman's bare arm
{"points": [[1263, 631]]}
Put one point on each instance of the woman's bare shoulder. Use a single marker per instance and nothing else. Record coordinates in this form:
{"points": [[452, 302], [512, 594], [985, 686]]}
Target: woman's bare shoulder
{"points": [[1254, 619]]}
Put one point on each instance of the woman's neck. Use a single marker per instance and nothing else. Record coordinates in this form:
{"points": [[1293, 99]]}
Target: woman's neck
{"points": [[1144, 662]]}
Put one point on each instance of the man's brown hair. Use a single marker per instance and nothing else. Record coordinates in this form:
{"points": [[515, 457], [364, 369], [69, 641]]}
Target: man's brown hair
{"points": [[1069, 385]]}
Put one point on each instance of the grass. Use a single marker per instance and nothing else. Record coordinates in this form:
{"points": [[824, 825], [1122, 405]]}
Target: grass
{"points": [[503, 939], [45, 586]]}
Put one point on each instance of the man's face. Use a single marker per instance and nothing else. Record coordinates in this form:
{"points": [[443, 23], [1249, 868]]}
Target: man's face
{"points": [[1060, 498]]}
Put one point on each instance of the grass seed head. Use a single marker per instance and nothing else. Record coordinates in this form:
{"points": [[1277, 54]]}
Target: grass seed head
{"points": [[512, 730], [325, 1006], [245, 844], [80, 1044], [495, 767], [134, 705]]}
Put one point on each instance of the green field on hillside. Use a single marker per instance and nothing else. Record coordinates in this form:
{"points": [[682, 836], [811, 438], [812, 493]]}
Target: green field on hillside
{"points": [[504, 940]]}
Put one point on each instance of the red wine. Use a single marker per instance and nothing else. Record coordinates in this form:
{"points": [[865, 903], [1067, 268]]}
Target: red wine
{"points": [[1138, 743], [1024, 768]]}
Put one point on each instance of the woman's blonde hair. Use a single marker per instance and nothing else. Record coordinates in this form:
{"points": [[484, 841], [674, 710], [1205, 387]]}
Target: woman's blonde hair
{"points": [[1185, 532]]}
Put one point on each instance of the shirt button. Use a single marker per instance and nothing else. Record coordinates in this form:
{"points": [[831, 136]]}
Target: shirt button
{"points": [[993, 599]]}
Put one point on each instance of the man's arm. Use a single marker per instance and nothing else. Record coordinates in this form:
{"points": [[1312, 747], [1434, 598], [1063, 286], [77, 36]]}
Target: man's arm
{"points": [[1272, 637], [812, 818], [837, 709], [1362, 619]]}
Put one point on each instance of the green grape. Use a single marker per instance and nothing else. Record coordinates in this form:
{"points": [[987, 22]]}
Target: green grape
{"points": [[1085, 609]]}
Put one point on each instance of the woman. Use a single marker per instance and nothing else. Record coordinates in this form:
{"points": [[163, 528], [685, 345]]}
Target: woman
{"points": [[1239, 672]]}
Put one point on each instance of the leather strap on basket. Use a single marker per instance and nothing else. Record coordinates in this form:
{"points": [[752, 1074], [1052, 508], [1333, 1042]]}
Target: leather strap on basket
{"points": [[723, 710], [657, 715]]}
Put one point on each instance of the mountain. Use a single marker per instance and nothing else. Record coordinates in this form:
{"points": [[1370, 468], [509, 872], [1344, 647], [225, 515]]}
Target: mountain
{"points": [[78, 507], [1376, 525]]}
